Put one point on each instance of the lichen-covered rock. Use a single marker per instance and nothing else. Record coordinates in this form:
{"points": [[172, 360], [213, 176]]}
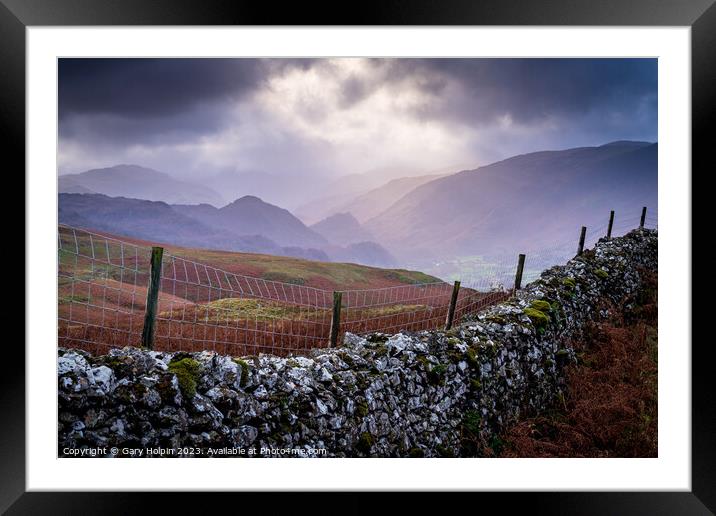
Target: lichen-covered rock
{"points": [[402, 395]]}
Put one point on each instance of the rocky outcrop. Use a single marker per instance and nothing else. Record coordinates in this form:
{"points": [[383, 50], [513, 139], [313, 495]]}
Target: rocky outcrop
{"points": [[410, 394]]}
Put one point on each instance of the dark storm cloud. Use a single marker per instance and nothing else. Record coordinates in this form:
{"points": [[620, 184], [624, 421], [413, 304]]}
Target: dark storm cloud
{"points": [[148, 100], [151, 87], [138, 87], [116, 129], [529, 90], [261, 113]]}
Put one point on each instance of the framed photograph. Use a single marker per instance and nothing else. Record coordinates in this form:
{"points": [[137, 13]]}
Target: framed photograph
{"points": [[414, 251]]}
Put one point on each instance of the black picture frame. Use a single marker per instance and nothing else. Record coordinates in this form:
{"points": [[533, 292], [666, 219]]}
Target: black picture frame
{"points": [[700, 15]]}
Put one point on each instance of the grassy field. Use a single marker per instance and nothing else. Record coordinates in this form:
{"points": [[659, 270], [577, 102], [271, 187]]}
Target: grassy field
{"points": [[324, 275]]}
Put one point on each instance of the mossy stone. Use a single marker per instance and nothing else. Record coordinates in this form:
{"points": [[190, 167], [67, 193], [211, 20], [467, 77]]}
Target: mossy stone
{"points": [[471, 356], [497, 319], [380, 350], [569, 283], [187, 372], [471, 421], [444, 451], [542, 306], [538, 318], [244, 371], [365, 443], [361, 408], [416, 453]]}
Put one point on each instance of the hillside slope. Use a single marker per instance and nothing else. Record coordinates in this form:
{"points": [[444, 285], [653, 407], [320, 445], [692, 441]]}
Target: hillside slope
{"points": [[250, 215], [312, 273], [522, 202], [152, 220], [371, 204], [342, 229]]}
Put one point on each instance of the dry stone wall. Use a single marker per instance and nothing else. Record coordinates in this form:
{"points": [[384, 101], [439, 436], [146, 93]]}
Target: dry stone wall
{"points": [[426, 394]]}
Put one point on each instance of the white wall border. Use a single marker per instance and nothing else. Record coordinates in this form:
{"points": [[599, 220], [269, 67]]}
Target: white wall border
{"points": [[671, 471]]}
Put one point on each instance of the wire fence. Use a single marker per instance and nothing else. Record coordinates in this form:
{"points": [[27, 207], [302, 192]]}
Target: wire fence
{"points": [[500, 269], [104, 289], [202, 307]]}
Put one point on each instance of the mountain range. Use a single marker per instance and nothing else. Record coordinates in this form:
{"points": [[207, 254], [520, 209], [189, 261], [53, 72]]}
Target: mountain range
{"points": [[137, 182], [363, 195], [526, 201], [248, 224], [377, 200], [251, 215], [153, 220]]}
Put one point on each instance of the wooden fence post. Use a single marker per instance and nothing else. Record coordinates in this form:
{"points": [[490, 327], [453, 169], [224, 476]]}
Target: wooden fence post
{"points": [[150, 312], [335, 319], [643, 217], [518, 274], [611, 224], [453, 304], [582, 235]]}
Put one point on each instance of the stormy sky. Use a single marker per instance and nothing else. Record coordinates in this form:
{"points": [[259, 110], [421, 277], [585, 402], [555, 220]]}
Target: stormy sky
{"points": [[323, 118]]}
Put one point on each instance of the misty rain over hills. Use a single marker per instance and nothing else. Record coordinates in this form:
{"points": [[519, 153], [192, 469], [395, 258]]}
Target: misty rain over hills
{"points": [[525, 202], [449, 166]]}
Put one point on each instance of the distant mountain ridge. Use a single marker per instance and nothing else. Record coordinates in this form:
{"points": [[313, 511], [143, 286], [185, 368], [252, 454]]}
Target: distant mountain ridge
{"points": [[365, 253], [372, 203], [523, 201], [134, 181], [362, 198], [247, 224], [342, 229], [251, 215], [161, 222], [529, 201]]}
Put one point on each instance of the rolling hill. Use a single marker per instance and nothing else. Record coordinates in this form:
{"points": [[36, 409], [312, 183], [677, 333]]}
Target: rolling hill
{"points": [[312, 273], [137, 182], [251, 215], [526, 201]]}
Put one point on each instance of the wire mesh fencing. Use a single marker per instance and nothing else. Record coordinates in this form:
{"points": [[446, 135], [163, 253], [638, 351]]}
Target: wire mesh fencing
{"points": [[556, 253], [104, 290], [101, 287], [205, 308], [104, 287], [391, 309]]}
